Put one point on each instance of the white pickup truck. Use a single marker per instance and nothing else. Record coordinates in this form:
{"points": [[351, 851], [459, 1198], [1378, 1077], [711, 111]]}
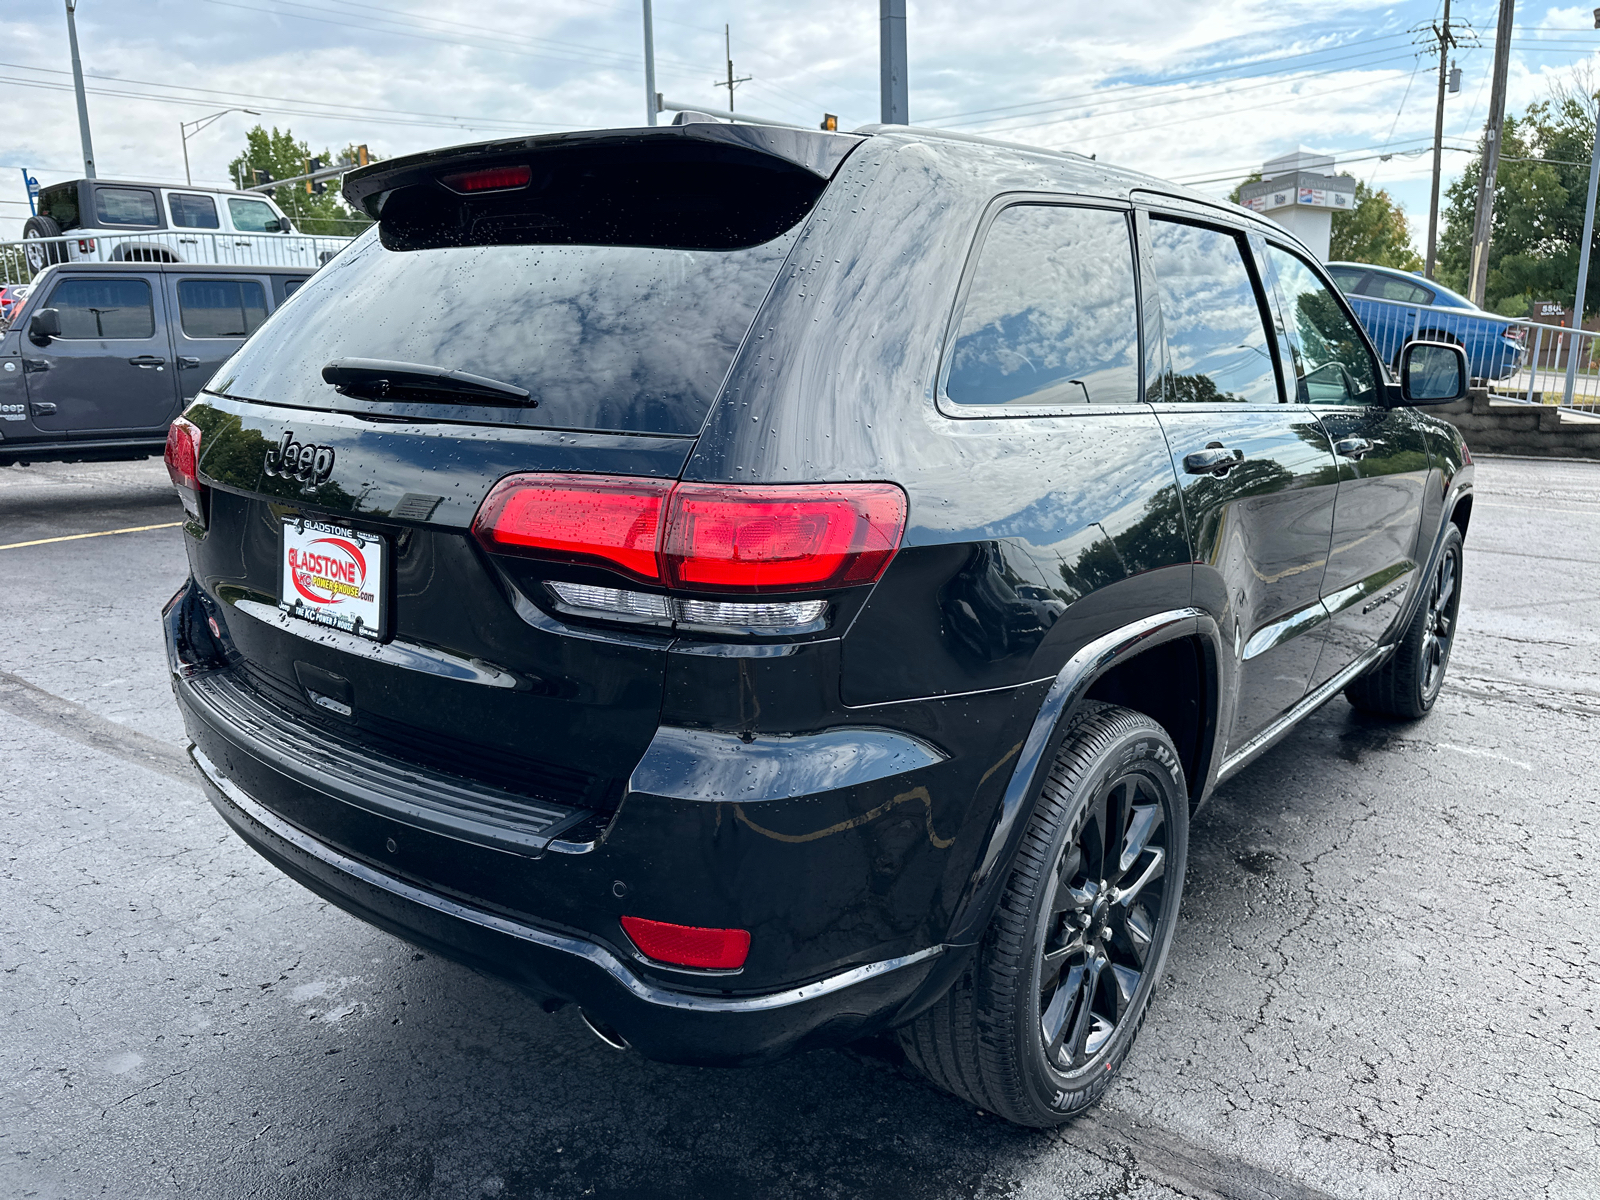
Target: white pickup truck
{"points": [[101, 220]]}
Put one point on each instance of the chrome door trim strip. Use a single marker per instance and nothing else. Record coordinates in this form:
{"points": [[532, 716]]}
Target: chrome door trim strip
{"points": [[592, 953]]}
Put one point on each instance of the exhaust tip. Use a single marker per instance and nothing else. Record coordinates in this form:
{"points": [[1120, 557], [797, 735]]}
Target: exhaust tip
{"points": [[604, 1032]]}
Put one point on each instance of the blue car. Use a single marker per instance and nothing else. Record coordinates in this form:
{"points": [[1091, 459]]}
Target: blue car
{"points": [[1397, 307]]}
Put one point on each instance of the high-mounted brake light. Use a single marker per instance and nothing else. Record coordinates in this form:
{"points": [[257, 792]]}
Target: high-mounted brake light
{"points": [[699, 536], [182, 456], [490, 179], [689, 945]]}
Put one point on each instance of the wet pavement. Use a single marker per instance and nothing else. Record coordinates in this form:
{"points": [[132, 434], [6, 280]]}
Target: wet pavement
{"points": [[1383, 985]]}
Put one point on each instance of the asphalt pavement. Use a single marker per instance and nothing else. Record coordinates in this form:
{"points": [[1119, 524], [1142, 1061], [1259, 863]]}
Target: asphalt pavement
{"points": [[1384, 982]]}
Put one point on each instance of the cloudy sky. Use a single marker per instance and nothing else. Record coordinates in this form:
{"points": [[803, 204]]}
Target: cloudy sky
{"points": [[1199, 91]]}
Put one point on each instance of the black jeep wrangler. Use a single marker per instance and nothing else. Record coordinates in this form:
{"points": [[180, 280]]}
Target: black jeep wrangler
{"points": [[786, 586]]}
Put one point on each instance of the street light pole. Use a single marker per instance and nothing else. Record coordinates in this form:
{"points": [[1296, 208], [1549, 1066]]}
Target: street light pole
{"points": [[1483, 221], [650, 68], [77, 84], [200, 123], [1583, 263]]}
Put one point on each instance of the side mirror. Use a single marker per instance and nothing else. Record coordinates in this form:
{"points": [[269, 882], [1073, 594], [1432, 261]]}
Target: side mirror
{"points": [[44, 325], [1433, 373], [279, 225]]}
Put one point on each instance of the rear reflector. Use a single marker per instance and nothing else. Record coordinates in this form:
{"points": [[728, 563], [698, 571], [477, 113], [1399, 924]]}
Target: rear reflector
{"points": [[689, 945], [182, 457], [491, 179], [700, 536]]}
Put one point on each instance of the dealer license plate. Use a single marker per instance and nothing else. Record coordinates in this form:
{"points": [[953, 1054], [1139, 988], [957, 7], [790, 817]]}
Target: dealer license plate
{"points": [[334, 576]]}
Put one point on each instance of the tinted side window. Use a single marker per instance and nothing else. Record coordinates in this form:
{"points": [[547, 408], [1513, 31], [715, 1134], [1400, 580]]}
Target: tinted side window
{"points": [[211, 308], [1345, 278], [1216, 332], [126, 206], [1386, 287], [1050, 316], [252, 216], [104, 308], [1332, 365], [193, 212]]}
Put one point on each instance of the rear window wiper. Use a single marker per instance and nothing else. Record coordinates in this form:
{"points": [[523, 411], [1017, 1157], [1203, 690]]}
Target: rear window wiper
{"points": [[381, 379]]}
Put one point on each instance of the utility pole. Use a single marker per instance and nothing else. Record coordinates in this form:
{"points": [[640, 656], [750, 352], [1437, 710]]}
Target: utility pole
{"points": [[1446, 41], [77, 83], [1483, 222], [650, 68], [732, 83], [892, 82], [1583, 264]]}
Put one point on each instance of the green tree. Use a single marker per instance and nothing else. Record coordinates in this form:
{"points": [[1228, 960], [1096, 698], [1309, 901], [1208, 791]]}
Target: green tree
{"points": [[1374, 231], [1540, 189], [281, 154]]}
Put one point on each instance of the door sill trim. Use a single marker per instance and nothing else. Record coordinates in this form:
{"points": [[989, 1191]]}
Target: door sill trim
{"points": [[1307, 704]]}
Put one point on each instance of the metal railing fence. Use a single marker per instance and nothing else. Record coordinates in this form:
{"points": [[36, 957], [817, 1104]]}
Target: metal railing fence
{"points": [[21, 261], [1512, 358]]}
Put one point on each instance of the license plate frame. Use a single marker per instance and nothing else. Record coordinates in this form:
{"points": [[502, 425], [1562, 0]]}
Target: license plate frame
{"points": [[334, 576]]}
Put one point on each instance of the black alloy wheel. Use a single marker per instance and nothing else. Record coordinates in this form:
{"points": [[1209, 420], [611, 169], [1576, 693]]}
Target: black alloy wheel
{"points": [[1409, 682], [1101, 922], [1037, 1027]]}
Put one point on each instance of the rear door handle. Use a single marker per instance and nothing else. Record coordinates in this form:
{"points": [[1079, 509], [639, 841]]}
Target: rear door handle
{"points": [[185, 360], [1215, 459], [1353, 447], [146, 361]]}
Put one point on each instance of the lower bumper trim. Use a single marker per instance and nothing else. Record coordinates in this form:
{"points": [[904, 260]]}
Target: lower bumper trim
{"points": [[596, 955]]}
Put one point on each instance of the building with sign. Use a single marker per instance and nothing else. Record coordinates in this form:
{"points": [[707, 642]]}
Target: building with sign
{"points": [[1301, 192]]}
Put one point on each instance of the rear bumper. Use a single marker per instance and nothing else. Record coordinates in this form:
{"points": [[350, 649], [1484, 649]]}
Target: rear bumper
{"points": [[543, 913], [662, 1023]]}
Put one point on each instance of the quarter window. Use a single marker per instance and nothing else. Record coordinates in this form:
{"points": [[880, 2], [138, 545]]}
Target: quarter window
{"points": [[1332, 365], [1050, 317], [104, 308], [252, 216], [126, 206], [192, 212], [214, 308], [1216, 331]]}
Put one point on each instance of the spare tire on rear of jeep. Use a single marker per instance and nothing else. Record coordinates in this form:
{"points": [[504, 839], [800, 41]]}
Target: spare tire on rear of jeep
{"points": [[40, 257]]}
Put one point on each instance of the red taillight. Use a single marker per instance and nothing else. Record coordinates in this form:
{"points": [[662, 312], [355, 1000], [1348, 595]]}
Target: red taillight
{"points": [[490, 179], [689, 945], [700, 536], [781, 539], [182, 457], [592, 519]]}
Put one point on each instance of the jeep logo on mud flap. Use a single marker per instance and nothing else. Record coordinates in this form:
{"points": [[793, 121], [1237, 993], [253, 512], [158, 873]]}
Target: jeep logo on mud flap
{"points": [[290, 459]]}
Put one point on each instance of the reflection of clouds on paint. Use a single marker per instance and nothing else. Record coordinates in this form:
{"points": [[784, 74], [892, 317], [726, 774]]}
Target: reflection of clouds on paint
{"points": [[605, 337], [1051, 302], [1209, 311]]}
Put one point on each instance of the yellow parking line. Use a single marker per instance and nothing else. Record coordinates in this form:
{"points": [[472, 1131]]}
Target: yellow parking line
{"points": [[74, 537]]}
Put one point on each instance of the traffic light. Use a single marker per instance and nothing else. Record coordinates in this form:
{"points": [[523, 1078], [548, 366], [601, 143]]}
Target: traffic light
{"points": [[830, 123], [261, 177], [361, 155], [315, 187]]}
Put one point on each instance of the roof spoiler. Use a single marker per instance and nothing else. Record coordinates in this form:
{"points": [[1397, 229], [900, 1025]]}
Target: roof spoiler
{"points": [[817, 153]]}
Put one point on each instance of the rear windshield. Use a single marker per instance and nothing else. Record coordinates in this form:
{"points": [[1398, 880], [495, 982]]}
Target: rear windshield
{"points": [[627, 338]]}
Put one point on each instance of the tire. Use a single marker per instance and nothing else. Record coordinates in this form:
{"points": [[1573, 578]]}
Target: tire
{"points": [[995, 1039], [1407, 684], [40, 257]]}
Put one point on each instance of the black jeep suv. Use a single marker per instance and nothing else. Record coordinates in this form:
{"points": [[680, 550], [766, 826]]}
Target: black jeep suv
{"points": [[784, 586]]}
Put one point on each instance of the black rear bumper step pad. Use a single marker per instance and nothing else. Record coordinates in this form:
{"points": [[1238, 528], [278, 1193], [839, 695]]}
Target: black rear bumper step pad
{"points": [[347, 770]]}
